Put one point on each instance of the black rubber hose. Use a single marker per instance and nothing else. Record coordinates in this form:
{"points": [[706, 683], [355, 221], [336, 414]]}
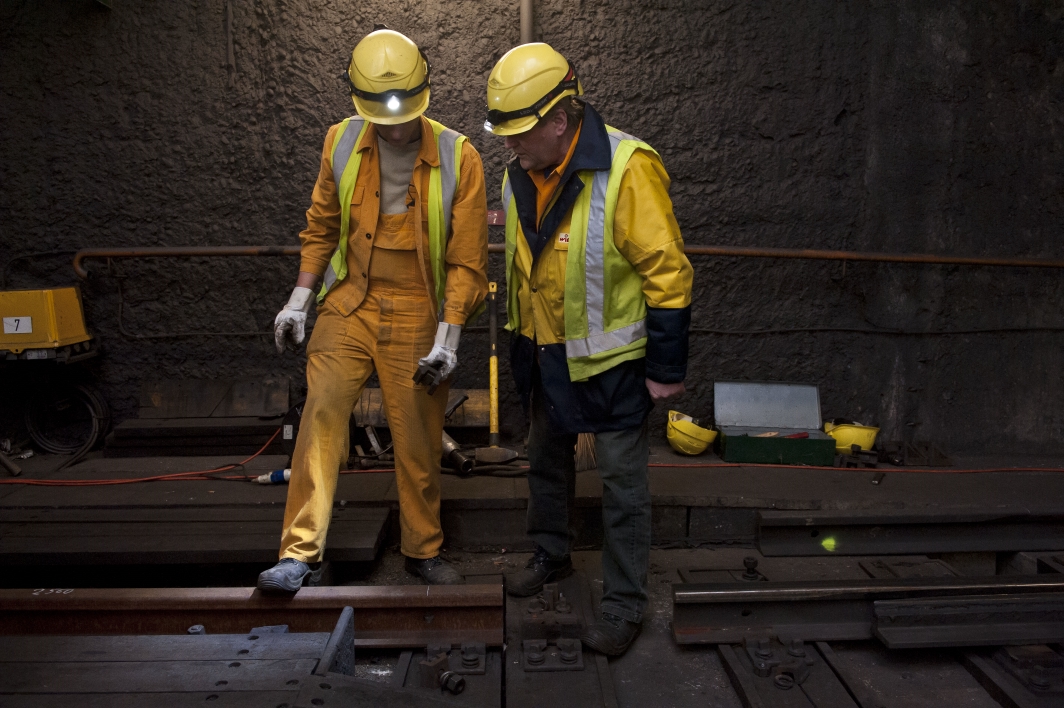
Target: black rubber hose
{"points": [[489, 471], [37, 418]]}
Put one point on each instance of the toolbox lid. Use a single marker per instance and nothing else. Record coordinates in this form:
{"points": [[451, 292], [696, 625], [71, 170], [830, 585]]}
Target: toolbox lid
{"points": [[751, 404]]}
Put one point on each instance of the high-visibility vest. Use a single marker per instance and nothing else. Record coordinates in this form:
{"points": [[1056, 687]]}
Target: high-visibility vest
{"points": [[605, 309], [443, 184]]}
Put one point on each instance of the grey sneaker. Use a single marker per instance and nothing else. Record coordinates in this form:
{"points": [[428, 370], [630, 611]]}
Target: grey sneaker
{"points": [[287, 576], [435, 571]]}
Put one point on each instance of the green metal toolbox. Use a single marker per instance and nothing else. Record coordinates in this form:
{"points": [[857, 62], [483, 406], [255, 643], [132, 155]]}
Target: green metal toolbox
{"points": [[744, 410]]}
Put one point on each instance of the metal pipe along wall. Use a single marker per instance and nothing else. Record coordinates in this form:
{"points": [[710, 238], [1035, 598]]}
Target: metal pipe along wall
{"points": [[527, 18], [721, 251]]}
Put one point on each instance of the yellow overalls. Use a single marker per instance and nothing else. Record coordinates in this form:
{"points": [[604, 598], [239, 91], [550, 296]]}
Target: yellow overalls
{"points": [[382, 317]]}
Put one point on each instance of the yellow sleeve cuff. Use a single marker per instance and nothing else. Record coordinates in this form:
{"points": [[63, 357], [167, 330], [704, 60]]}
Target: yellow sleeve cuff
{"points": [[311, 264]]}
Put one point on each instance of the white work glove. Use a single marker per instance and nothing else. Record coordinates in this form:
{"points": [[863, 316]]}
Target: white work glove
{"points": [[290, 323], [445, 349]]}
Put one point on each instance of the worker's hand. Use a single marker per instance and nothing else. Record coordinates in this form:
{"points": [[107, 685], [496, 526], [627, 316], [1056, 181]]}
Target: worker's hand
{"points": [[290, 324], [445, 349], [663, 391]]}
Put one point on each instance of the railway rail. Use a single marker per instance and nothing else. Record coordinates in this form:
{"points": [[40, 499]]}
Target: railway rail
{"points": [[384, 616]]}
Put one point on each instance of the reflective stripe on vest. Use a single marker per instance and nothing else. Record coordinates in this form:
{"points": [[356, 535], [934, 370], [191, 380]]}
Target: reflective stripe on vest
{"points": [[598, 340], [594, 342], [345, 162], [443, 185]]}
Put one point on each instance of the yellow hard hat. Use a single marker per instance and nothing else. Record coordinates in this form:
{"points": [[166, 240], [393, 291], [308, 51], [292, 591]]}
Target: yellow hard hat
{"points": [[525, 84], [389, 78], [847, 434], [686, 436]]}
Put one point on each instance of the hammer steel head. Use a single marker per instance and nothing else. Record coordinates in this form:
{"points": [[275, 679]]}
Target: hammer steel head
{"points": [[495, 455], [429, 375]]}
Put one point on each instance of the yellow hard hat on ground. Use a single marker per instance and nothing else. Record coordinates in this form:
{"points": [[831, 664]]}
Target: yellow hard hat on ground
{"points": [[525, 84], [847, 434], [389, 78], [686, 436]]}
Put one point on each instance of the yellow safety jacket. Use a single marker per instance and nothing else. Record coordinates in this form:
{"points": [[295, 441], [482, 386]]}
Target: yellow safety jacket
{"points": [[600, 331], [443, 184], [598, 287]]}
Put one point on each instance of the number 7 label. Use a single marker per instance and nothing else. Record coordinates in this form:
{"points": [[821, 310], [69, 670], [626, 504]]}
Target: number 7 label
{"points": [[18, 325]]}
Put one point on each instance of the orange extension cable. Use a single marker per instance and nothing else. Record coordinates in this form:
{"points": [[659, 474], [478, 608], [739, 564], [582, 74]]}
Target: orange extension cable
{"points": [[202, 475], [194, 476]]}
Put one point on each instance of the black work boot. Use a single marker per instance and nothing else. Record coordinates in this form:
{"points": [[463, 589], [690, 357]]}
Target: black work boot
{"points": [[540, 569], [288, 575], [435, 571], [611, 635]]}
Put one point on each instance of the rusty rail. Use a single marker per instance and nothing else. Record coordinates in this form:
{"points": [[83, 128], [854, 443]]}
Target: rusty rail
{"points": [[724, 251], [498, 218], [177, 251], [385, 616], [869, 256]]}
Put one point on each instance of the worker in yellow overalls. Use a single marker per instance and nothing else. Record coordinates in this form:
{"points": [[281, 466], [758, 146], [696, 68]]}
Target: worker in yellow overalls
{"points": [[397, 230]]}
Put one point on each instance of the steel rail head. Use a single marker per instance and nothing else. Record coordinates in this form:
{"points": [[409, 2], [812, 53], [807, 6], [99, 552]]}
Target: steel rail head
{"points": [[385, 616], [887, 588], [358, 597]]}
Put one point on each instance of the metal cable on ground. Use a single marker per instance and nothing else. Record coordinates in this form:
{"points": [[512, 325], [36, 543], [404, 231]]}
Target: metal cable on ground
{"points": [[100, 417], [500, 471], [194, 476], [101, 420], [490, 471], [202, 475]]}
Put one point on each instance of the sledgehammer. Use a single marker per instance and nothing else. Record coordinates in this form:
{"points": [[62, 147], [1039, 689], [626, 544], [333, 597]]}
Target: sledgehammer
{"points": [[493, 455]]}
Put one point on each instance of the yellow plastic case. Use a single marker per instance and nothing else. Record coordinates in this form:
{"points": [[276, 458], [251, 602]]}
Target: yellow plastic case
{"points": [[41, 319]]}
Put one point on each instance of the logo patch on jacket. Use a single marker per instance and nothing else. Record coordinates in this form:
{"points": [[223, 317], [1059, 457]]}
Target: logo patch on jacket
{"points": [[563, 239]]}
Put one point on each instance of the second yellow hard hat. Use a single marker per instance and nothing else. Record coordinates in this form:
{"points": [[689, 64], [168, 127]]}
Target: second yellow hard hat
{"points": [[389, 78], [686, 436], [526, 83]]}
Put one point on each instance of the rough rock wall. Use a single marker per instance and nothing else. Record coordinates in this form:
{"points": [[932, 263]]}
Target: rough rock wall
{"points": [[911, 125]]}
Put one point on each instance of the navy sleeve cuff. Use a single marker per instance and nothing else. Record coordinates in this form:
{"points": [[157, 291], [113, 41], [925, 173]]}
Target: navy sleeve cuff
{"points": [[667, 344]]}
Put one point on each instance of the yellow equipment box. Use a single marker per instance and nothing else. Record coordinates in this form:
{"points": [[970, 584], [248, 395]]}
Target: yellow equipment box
{"points": [[41, 319]]}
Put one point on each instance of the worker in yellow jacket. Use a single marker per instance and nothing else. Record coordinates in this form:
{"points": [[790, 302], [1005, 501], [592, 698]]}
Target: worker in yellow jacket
{"points": [[397, 230], [598, 306]]}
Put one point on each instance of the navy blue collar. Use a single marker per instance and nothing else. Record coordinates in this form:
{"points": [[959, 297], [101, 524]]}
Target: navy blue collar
{"points": [[592, 152], [593, 147]]}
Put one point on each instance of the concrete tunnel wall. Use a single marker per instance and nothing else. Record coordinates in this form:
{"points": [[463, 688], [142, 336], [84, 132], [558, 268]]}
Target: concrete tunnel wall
{"points": [[909, 125]]}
